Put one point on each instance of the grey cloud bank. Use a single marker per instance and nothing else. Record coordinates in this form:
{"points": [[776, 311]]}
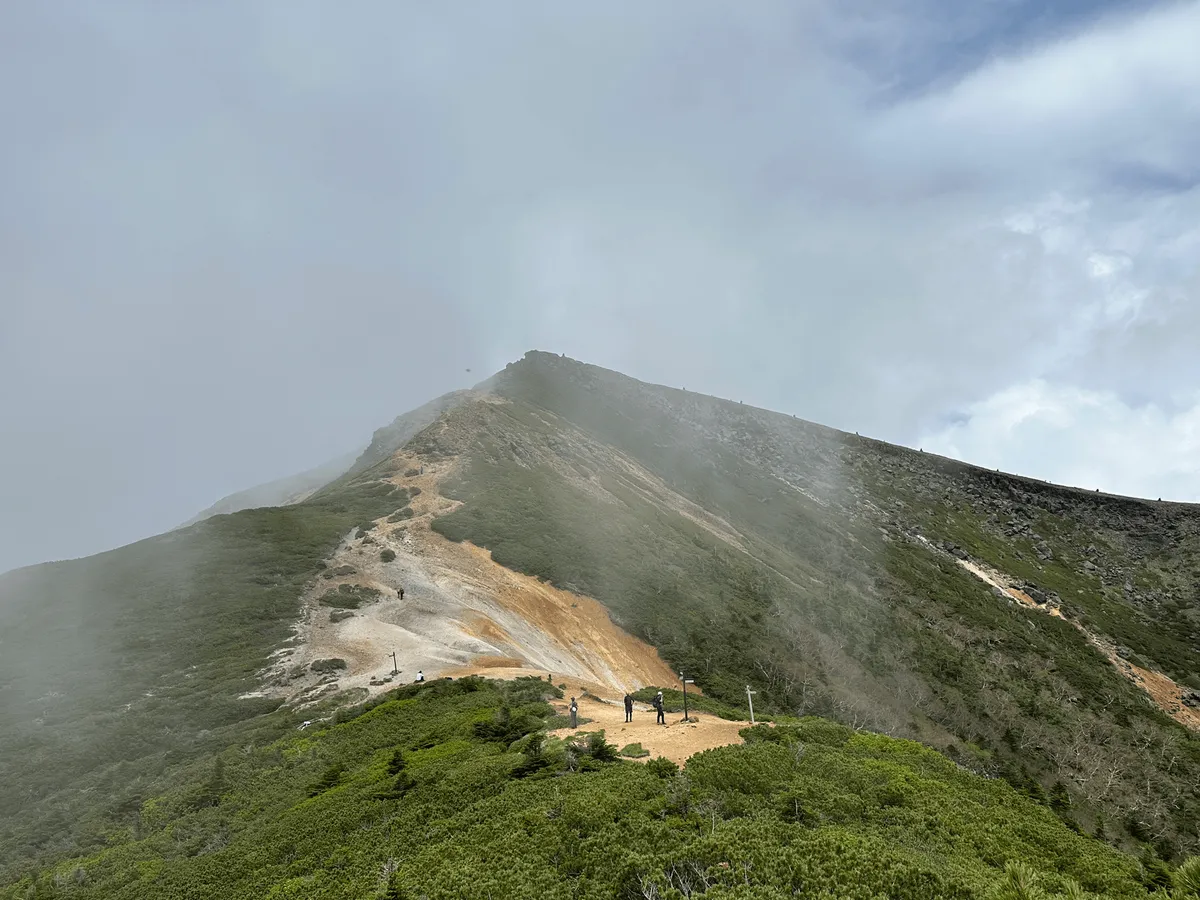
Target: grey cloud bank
{"points": [[236, 238]]}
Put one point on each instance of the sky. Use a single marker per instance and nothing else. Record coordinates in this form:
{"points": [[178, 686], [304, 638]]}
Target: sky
{"points": [[238, 236]]}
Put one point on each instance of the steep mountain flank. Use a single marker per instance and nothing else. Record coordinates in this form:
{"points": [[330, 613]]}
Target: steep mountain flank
{"points": [[815, 582]]}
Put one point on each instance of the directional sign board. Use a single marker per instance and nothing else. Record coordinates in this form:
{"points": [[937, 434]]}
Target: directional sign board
{"points": [[686, 682]]}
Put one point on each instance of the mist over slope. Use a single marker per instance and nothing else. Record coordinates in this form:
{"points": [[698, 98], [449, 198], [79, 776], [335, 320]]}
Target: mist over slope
{"points": [[1043, 634], [296, 488], [280, 492]]}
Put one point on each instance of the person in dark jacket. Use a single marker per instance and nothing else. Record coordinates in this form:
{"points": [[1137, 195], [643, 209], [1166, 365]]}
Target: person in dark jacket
{"points": [[628, 708], [661, 708], [574, 713]]}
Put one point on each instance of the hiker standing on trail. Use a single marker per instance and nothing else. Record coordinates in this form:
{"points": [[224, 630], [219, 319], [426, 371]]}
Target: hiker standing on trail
{"points": [[574, 713], [660, 707], [628, 708]]}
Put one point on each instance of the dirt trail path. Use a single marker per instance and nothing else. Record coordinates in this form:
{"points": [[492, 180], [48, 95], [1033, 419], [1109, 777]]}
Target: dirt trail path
{"points": [[677, 740]]}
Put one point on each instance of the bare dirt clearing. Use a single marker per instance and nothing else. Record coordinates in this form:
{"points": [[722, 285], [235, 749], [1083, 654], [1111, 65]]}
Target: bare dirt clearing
{"points": [[677, 740]]}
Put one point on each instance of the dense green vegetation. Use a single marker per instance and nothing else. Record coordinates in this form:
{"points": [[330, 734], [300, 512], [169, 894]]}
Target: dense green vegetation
{"points": [[450, 790], [116, 668]]}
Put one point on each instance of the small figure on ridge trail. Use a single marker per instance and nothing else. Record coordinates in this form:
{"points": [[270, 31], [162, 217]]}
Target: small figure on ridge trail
{"points": [[420, 675], [628, 708], [574, 713], [660, 708]]}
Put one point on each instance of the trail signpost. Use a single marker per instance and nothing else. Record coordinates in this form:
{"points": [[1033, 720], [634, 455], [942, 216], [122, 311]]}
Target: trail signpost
{"points": [[394, 669], [750, 700], [685, 682]]}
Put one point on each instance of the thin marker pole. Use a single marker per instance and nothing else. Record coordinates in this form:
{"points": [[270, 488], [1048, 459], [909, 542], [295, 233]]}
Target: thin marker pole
{"points": [[685, 682]]}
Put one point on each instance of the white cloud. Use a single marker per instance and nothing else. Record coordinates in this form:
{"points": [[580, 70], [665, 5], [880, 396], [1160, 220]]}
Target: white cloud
{"points": [[1124, 93], [1089, 439]]}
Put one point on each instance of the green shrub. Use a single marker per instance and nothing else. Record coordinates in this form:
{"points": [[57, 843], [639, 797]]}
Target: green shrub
{"points": [[397, 762], [1187, 878], [662, 767], [349, 596], [599, 749], [634, 751], [327, 666], [329, 779], [506, 726], [387, 555]]}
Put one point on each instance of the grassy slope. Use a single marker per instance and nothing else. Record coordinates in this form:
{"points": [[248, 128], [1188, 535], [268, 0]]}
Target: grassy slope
{"points": [[832, 609], [118, 667], [810, 807]]}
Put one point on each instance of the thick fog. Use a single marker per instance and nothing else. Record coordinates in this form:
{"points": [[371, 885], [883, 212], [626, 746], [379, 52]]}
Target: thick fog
{"points": [[236, 237]]}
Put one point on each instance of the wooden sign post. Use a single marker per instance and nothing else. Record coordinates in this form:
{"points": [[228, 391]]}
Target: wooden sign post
{"points": [[686, 682], [394, 669], [750, 700]]}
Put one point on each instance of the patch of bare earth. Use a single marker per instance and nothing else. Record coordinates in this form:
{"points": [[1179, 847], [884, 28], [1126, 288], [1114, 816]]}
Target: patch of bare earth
{"points": [[460, 610], [1164, 691], [677, 740]]}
